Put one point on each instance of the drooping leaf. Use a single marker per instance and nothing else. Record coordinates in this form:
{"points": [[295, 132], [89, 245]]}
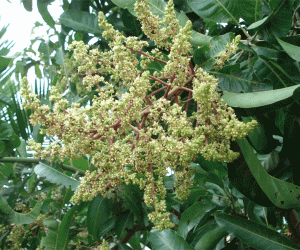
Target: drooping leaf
{"points": [[167, 240], [19, 218], [43, 10], [243, 180], [80, 21], [254, 234], [55, 176], [282, 194]]}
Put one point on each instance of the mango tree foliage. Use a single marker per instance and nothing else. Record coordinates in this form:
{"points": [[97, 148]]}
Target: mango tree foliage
{"points": [[159, 128]]}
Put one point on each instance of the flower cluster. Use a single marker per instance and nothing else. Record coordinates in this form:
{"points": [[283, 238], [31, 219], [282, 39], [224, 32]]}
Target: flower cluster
{"points": [[142, 121]]}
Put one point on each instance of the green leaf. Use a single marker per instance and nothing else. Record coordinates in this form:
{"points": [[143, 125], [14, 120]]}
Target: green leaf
{"points": [[123, 222], [18, 218], [135, 243], [282, 194], [133, 198], [210, 240], [292, 50], [2, 147], [261, 102], [43, 10], [259, 23], [131, 23], [81, 163], [81, 21], [4, 62], [64, 227], [167, 240], [129, 4], [191, 217], [243, 180], [261, 140], [55, 176], [123, 246], [232, 79], [107, 226], [5, 99], [254, 234], [38, 72], [45, 51], [215, 10], [27, 5], [50, 240], [250, 10], [282, 18], [98, 213]]}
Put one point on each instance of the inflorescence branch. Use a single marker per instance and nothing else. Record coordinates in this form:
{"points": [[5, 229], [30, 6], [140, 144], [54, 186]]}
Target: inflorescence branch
{"points": [[137, 125]]}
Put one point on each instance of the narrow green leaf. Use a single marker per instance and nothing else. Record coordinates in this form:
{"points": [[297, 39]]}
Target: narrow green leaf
{"points": [[259, 23], [254, 234], [63, 230], [167, 240], [282, 194], [55, 176], [43, 10], [98, 213], [50, 240], [191, 217], [80, 21], [38, 72], [292, 50], [261, 102], [210, 240]]}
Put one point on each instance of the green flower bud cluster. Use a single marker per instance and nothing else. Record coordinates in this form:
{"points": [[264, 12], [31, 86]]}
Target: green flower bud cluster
{"points": [[224, 56], [140, 123]]}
